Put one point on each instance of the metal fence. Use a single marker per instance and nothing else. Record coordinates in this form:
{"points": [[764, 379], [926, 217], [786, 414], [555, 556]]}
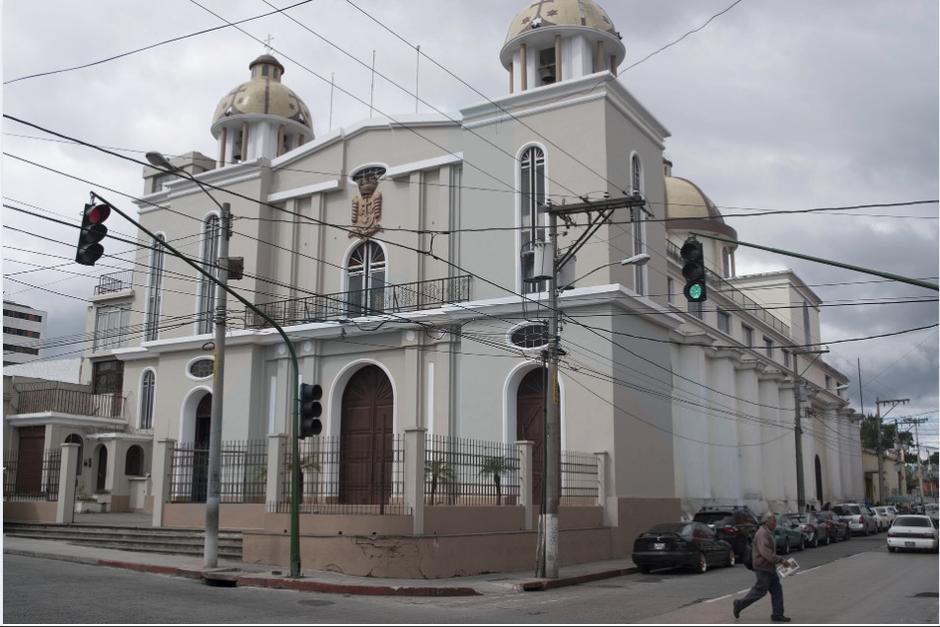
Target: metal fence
{"points": [[244, 470], [461, 471], [349, 476], [579, 481], [74, 402], [33, 479], [115, 282], [374, 301]]}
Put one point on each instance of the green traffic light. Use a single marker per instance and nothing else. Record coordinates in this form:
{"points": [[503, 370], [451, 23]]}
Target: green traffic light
{"points": [[695, 291]]}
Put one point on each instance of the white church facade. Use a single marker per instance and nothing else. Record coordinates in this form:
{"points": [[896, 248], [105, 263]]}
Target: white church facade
{"points": [[395, 253]]}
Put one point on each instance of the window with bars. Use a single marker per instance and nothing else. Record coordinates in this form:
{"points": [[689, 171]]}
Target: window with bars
{"points": [[210, 255], [532, 170], [147, 388], [154, 289], [365, 273]]}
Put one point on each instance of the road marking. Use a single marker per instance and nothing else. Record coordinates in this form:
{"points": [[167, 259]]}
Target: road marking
{"points": [[809, 570], [720, 598]]}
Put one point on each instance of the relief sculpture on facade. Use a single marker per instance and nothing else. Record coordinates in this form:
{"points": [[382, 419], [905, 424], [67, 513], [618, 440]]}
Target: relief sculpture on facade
{"points": [[367, 206]]}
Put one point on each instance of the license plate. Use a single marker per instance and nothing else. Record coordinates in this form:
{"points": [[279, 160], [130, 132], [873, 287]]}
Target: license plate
{"points": [[659, 546], [909, 545]]}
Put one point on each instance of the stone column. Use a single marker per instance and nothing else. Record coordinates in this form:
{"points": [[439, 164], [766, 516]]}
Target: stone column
{"points": [[692, 464], [845, 459], [771, 432], [603, 463], [724, 465], [833, 473], [786, 446], [274, 487], [162, 467], [749, 431], [810, 426], [414, 476], [65, 505], [526, 496]]}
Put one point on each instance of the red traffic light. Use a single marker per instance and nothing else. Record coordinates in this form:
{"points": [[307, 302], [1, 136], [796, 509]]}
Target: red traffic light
{"points": [[93, 231], [97, 214]]}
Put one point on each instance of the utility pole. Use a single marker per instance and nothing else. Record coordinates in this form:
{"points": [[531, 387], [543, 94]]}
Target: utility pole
{"points": [[920, 466], [211, 551], [602, 210], [798, 426], [878, 403]]}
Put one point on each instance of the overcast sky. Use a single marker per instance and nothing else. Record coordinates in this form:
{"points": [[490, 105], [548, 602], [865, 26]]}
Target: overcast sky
{"points": [[775, 105]]}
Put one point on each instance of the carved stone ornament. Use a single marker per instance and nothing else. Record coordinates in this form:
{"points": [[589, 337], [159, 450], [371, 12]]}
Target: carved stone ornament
{"points": [[367, 206]]}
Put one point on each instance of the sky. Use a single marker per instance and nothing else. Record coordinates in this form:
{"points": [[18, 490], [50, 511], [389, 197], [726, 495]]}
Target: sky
{"points": [[773, 105]]}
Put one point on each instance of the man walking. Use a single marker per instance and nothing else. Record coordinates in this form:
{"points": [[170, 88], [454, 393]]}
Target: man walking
{"points": [[765, 560]]}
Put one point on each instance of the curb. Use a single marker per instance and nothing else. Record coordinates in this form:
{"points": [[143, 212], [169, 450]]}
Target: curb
{"points": [[540, 585]]}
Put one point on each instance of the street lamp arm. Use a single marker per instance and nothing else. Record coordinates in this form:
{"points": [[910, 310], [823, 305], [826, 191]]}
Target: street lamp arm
{"points": [[638, 260]]}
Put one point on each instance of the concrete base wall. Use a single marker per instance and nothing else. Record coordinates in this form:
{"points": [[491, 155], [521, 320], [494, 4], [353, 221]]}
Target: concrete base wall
{"points": [[340, 524], [445, 520], [424, 557], [231, 516], [29, 511]]}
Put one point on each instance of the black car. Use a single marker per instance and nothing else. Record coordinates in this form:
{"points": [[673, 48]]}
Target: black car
{"points": [[837, 528], [736, 525], [681, 545]]}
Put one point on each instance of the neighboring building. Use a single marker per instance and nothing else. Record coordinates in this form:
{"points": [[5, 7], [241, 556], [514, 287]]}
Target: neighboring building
{"points": [[689, 405], [23, 328], [893, 471]]}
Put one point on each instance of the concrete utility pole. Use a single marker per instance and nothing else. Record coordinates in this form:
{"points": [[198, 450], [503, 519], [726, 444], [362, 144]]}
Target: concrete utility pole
{"points": [[602, 210], [878, 403], [798, 427], [213, 490], [920, 466]]}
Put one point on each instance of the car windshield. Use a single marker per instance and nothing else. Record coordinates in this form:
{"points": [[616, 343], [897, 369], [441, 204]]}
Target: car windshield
{"points": [[713, 518], [911, 521]]}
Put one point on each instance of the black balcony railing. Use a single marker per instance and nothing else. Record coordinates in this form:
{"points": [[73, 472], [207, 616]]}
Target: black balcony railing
{"points": [[114, 282], [388, 299], [75, 402]]}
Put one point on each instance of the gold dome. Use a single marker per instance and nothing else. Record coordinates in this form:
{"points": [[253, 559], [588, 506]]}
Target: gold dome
{"points": [[264, 94], [688, 208], [547, 13]]}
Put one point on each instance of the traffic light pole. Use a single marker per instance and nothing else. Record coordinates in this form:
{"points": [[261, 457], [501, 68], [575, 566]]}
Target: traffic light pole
{"points": [[295, 413]]}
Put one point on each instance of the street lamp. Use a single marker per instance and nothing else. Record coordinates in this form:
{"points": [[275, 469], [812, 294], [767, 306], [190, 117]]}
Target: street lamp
{"points": [[211, 549], [635, 260]]}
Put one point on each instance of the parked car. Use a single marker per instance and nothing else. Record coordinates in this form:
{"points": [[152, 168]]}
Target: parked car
{"points": [[814, 528], [837, 528], [788, 535], [912, 532], [888, 513], [681, 545], [858, 519], [932, 510], [736, 525], [881, 522]]}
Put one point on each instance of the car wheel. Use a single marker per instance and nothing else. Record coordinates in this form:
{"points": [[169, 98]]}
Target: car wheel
{"points": [[786, 546], [645, 569], [828, 540], [802, 544], [731, 559], [815, 541], [702, 565], [891, 549]]}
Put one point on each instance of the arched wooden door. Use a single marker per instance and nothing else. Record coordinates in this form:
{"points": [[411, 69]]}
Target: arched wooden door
{"points": [[366, 450], [530, 424], [203, 425]]}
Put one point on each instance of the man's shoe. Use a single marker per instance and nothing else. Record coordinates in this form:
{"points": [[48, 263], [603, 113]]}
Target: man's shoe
{"points": [[735, 609], [780, 619]]}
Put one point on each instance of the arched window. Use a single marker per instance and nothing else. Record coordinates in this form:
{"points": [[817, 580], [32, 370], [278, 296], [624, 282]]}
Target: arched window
{"points": [[147, 384], [639, 230], [532, 188], [365, 273], [210, 254], [74, 438], [154, 289], [134, 462]]}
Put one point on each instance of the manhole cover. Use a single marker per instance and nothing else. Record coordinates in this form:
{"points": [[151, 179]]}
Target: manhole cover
{"points": [[315, 603], [925, 595]]}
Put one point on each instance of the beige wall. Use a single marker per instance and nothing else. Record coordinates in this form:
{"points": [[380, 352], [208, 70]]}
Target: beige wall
{"points": [[33, 511], [231, 515]]}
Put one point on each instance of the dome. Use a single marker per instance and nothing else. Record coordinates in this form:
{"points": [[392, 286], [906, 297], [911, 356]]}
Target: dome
{"points": [[264, 94], [688, 208], [547, 13]]}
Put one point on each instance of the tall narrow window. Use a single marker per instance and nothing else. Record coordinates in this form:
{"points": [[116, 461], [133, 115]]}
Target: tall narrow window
{"points": [[532, 168], [210, 254], [636, 217], [366, 280], [146, 399], [769, 347], [807, 331], [724, 322], [748, 334], [727, 263], [152, 329]]}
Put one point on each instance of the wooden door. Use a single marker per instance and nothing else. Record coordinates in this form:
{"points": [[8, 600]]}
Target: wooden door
{"points": [[530, 425], [201, 449], [29, 460], [366, 450]]}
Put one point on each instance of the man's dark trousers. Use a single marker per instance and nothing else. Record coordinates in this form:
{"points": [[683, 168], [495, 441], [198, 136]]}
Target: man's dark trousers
{"points": [[766, 581]]}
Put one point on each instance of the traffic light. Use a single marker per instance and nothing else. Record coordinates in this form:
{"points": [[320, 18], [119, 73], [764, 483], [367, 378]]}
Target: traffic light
{"points": [[93, 231], [310, 410], [693, 271]]}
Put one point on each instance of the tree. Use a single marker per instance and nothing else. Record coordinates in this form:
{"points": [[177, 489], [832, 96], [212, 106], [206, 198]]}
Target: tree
{"points": [[496, 466], [441, 473], [891, 437]]}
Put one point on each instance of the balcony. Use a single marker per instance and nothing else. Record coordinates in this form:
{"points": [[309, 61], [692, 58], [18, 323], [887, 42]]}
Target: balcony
{"points": [[72, 402], [388, 299], [728, 290], [114, 282]]}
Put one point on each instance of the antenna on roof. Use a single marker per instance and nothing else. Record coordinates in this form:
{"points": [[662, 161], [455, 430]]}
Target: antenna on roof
{"points": [[267, 43]]}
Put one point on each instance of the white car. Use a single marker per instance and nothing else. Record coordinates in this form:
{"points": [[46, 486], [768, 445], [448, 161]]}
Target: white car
{"points": [[888, 513], [912, 532], [881, 521], [932, 510], [860, 521]]}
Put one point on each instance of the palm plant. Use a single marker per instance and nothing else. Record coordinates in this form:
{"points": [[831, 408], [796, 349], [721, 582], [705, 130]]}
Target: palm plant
{"points": [[496, 466], [441, 472]]}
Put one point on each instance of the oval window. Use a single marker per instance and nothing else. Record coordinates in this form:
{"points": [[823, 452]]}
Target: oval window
{"points": [[530, 336], [201, 368]]}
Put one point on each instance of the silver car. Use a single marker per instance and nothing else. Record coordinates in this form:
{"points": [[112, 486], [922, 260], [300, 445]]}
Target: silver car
{"points": [[857, 517]]}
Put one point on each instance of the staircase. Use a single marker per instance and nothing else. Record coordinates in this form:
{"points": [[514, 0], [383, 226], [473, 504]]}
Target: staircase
{"points": [[143, 539]]}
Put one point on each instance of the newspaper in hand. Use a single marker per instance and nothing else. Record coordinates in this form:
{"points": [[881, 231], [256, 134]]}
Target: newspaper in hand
{"points": [[787, 568]]}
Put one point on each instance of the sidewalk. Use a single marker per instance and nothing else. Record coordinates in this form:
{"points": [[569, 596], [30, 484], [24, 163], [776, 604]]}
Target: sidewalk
{"points": [[238, 573]]}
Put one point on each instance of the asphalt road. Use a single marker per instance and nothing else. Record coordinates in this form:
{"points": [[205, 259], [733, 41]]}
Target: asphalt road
{"points": [[851, 582]]}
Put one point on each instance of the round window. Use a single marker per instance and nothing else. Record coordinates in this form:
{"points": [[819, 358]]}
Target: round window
{"points": [[201, 368], [530, 336]]}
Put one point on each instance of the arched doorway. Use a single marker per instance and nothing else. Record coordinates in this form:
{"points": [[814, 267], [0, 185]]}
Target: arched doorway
{"points": [[530, 424], [366, 450], [102, 475], [203, 425], [819, 490], [74, 438]]}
